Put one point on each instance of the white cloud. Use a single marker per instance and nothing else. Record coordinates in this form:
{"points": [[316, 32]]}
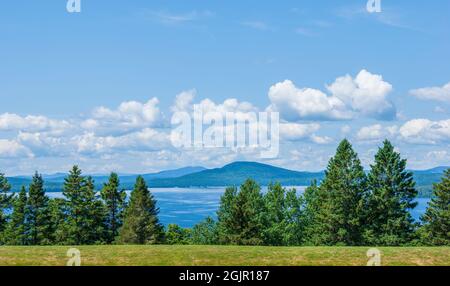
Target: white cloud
{"points": [[14, 122], [306, 103], [129, 116], [376, 132], [13, 149], [183, 101], [425, 131], [433, 93], [297, 132], [365, 95], [144, 140], [44, 144]]}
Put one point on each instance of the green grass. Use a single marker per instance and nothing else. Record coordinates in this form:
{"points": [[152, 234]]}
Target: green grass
{"points": [[222, 255]]}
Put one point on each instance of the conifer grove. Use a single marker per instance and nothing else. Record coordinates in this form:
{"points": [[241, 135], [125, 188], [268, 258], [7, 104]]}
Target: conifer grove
{"points": [[350, 206]]}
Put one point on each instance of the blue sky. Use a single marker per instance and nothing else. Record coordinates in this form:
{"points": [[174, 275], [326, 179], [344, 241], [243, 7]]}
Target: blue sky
{"points": [[57, 69]]}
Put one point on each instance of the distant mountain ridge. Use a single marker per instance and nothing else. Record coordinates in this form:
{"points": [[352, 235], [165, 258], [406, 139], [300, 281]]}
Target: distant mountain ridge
{"points": [[235, 173], [229, 175]]}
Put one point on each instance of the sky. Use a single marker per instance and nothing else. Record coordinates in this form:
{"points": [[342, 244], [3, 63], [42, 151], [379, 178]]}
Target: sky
{"points": [[98, 88]]}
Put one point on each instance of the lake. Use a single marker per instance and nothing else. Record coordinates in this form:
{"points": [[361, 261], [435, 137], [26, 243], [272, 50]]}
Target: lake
{"points": [[188, 206]]}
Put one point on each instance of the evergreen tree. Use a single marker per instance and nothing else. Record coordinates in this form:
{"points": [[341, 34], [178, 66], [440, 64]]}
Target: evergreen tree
{"points": [[392, 194], [310, 210], [96, 214], [242, 221], [15, 230], [225, 214], [282, 217], [85, 213], [36, 213], [436, 229], [114, 199], [59, 211], [5, 200], [341, 200], [141, 224], [205, 233], [177, 235]]}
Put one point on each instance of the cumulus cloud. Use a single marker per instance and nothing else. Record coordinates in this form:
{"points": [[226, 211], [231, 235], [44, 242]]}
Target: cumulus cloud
{"points": [[183, 101], [376, 132], [144, 140], [425, 131], [365, 95], [44, 144], [306, 103], [129, 116], [32, 123], [416, 131], [433, 93], [297, 132], [13, 149]]}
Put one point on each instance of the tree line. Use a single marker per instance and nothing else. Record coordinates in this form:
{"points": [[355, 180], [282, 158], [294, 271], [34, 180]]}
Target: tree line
{"points": [[348, 207]]}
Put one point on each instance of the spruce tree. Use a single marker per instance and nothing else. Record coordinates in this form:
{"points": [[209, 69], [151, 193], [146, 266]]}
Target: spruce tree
{"points": [[242, 221], [114, 199], [96, 214], [225, 217], [282, 216], [59, 226], [85, 213], [37, 213], [341, 200], [5, 200], [15, 230], [436, 229], [392, 194], [141, 224], [310, 210]]}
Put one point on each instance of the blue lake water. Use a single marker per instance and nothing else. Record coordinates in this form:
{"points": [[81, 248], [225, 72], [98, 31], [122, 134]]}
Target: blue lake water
{"points": [[187, 207]]}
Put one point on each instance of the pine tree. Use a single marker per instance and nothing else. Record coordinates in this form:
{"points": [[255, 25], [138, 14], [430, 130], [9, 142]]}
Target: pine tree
{"points": [[282, 217], [141, 224], [114, 199], [15, 230], [310, 210], [36, 213], [392, 194], [59, 211], [242, 221], [436, 229], [85, 217], [96, 214], [225, 217], [341, 200], [5, 200]]}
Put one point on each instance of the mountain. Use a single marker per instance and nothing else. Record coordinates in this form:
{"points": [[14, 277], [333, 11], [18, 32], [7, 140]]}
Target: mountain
{"points": [[436, 170], [236, 173], [232, 174], [54, 182]]}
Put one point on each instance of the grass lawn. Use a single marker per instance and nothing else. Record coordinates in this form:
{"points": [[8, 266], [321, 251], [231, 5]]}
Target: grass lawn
{"points": [[222, 255]]}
